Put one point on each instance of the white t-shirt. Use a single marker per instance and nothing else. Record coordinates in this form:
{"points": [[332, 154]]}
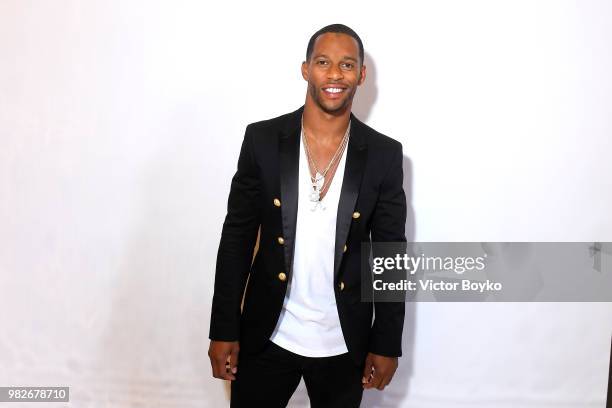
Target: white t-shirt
{"points": [[309, 324]]}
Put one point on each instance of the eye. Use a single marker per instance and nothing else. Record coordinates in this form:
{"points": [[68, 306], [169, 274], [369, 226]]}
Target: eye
{"points": [[321, 62], [348, 65]]}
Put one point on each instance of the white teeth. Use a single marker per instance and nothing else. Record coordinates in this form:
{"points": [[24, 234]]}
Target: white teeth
{"points": [[334, 90]]}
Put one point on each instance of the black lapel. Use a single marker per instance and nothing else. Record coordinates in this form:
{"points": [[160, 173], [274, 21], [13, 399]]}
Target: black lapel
{"points": [[356, 154], [289, 155]]}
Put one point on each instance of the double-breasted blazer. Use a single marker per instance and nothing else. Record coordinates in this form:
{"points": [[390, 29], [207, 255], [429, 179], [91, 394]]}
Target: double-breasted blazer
{"points": [[264, 194]]}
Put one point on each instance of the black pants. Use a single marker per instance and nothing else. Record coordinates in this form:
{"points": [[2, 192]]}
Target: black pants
{"points": [[269, 379]]}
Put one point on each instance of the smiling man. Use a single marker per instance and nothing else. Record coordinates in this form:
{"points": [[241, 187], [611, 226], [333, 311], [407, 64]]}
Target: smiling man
{"points": [[316, 183]]}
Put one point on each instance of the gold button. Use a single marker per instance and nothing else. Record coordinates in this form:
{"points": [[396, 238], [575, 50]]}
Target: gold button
{"points": [[356, 215], [281, 240], [341, 285], [277, 202], [282, 276], [344, 249]]}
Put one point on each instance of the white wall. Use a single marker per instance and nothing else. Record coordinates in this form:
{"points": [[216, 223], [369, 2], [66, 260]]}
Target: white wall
{"points": [[120, 125]]}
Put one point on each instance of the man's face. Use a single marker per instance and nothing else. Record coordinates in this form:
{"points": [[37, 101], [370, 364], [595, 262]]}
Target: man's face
{"points": [[333, 72]]}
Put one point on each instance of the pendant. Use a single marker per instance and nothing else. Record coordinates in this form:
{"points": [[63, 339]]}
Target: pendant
{"points": [[317, 185], [319, 180], [314, 196], [318, 204]]}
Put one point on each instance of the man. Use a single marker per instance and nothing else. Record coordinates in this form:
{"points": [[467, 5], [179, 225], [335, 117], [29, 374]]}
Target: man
{"points": [[316, 183]]}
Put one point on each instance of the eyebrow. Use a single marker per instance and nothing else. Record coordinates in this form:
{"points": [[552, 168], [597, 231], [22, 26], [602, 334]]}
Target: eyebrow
{"points": [[346, 57]]}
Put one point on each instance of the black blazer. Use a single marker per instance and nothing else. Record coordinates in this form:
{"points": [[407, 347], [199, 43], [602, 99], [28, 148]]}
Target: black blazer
{"points": [[264, 192]]}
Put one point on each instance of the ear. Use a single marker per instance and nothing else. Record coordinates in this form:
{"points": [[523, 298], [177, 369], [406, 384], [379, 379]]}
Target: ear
{"points": [[305, 70], [362, 75]]}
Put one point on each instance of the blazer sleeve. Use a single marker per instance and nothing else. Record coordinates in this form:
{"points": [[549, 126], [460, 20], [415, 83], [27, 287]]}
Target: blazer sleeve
{"points": [[388, 225], [237, 243]]}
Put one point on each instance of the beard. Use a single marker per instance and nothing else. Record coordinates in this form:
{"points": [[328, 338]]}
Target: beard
{"points": [[319, 99]]}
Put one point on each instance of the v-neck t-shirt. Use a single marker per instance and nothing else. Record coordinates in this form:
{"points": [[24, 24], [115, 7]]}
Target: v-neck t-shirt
{"points": [[309, 324]]}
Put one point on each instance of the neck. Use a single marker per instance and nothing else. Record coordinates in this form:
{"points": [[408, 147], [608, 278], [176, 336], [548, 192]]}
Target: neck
{"points": [[322, 125]]}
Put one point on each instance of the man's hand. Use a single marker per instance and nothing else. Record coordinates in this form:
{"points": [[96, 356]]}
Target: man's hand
{"points": [[224, 359], [378, 371]]}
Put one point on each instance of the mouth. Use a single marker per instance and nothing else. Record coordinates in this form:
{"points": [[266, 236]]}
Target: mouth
{"points": [[333, 92]]}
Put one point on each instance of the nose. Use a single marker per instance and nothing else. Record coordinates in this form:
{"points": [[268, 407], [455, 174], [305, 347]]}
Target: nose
{"points": [[334, 72]]}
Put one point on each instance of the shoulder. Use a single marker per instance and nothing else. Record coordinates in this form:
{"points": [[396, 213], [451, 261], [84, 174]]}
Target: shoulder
{"points": [[266, 126], [378, 141], [262, 136]]}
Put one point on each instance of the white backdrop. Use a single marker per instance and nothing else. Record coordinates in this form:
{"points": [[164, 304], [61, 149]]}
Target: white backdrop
{"points": [[120, 125]]}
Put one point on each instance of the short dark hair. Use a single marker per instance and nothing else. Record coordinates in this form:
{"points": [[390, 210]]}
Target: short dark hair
{"points": [[334, 28]]}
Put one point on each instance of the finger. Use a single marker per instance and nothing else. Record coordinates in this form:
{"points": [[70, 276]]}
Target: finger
{"points": [[386, 380], [389, 379], [227, 373], [368, 383], [217, 366], [221, 370], [376, 379], [367, 371], [368, 380], [234, 361], [383, 383]]}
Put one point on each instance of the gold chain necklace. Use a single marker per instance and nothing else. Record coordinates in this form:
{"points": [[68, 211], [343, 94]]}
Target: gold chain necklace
{"points": [[318, 181]]}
